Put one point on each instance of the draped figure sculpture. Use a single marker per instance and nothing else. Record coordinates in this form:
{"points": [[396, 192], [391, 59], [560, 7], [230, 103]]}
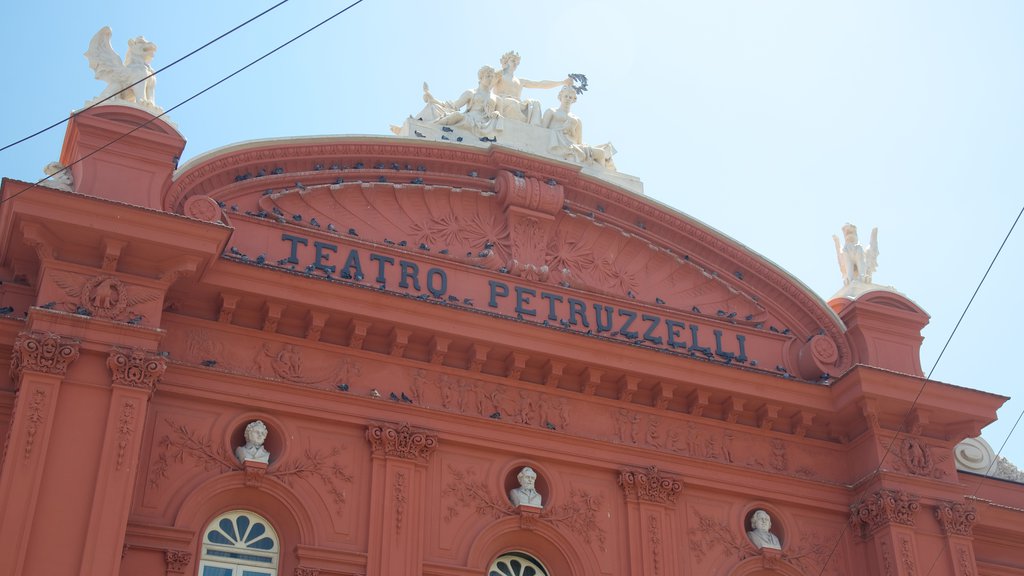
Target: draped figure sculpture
{"points": [[509, 89], [567, 134], [481, 115]]}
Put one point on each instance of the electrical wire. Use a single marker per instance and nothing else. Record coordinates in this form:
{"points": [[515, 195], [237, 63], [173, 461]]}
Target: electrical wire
{"points": [[154, 73], [187, 100], [910, 410]]}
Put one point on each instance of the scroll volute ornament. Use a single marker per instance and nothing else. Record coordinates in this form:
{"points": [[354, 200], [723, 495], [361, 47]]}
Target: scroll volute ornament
{"points": [[42, 352], [401, 441], [135, 368], [882, 508], [956, 518], [530, 207], [649, 485]]}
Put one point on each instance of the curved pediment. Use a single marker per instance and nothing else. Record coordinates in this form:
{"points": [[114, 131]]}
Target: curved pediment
{"points": [[542, 223]]}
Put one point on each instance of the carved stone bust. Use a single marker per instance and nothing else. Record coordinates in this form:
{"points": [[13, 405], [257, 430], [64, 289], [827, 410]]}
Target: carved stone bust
{"points": [[255, 435], [526, 494], [760, 536]]}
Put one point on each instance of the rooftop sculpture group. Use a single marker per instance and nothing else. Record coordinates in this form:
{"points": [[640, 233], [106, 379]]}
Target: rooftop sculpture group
{"points": [[497, 111]]}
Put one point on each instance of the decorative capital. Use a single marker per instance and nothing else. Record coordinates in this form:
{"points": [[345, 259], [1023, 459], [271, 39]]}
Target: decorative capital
{"points": [[649, 485], [884, 507], [956, 518], [135, 368], [401, 441], [42, 352], [306, 571], [177, 561]]}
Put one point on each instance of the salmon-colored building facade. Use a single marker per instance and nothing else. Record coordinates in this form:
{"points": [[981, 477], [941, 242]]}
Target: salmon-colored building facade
{"points": [[416, 322]]}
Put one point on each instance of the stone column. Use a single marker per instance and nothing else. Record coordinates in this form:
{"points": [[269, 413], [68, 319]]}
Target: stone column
{"points": [[957, 522], [397, 496], [38, 366], [886, 521], [134, 375], [650, 495]]}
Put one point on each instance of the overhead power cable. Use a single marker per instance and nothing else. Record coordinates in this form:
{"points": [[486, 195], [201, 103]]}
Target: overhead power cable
{"points": [[154, 73], [189, 99], [924, 383]]}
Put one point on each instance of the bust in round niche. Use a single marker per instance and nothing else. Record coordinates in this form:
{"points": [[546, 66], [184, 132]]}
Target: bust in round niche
{"points": [[253, 450], [526, 494], [760, 534]]}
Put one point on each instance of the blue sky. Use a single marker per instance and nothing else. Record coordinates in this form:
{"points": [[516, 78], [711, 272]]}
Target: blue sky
{"points": [[774, 122]]}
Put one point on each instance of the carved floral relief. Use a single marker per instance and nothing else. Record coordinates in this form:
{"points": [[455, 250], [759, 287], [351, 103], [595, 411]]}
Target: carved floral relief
{"points": [[578, 515], [182, 444]]}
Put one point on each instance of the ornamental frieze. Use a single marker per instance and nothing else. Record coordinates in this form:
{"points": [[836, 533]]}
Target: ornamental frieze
{"points": [[882, 508], [649, 485], [401, 441], [956, 518], [136, 368], [42, 352]]}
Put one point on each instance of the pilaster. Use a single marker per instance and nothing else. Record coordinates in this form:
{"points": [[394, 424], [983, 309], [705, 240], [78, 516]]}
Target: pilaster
{"points": [[134, 376], [957, 522], [650, 495], [885, 519], [38, 366], [400, 457]]}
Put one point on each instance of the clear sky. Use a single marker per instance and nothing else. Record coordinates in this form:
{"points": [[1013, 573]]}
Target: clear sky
{"points": [[774, 122]]}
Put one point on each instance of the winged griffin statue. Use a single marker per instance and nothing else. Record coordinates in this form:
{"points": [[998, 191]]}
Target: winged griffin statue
{"points": [[124, 79], [856, 262]]}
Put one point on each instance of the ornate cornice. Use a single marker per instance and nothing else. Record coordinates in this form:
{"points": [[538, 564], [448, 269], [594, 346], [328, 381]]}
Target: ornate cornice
{"points": [[135, 368], [649, 485], [884, 507], [956, 518], [42, 352], [401, 441]]}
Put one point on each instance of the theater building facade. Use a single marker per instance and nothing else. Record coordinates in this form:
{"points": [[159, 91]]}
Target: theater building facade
{"points": [[398, 355]]}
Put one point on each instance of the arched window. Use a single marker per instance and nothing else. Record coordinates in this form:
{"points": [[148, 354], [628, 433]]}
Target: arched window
{"points": [[239, 543], [516, 564]]}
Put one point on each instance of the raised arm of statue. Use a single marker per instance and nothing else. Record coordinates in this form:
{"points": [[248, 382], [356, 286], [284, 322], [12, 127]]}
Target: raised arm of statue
{"points": [[545, 83]]}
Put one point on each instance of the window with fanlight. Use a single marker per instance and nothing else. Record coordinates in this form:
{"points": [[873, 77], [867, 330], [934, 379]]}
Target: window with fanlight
{"points": [[516, 564], [239, 543]]}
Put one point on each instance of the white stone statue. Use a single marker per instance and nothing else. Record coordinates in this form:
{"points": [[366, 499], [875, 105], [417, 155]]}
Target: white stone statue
{"points": [[124, 79], [761, 536], [567, 134], [526, 494], [481, 115], [255, 435], [509, 89], [59, 176], [856, 263]]}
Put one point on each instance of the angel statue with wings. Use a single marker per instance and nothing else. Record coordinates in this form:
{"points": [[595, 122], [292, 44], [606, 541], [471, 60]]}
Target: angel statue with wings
{"points": [[856, 262], [128, 81]]}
